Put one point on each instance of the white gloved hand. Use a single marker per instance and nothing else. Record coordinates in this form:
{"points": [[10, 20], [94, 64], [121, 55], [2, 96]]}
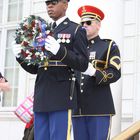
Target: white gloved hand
{"points": [[16, 48], [52, 45], [90, 70]]}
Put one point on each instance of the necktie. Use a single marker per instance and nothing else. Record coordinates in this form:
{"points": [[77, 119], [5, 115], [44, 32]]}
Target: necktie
{"points": [[53, 25]]}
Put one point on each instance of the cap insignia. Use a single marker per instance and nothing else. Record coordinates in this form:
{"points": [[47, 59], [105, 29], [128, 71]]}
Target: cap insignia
{"points": [[83, 10]]}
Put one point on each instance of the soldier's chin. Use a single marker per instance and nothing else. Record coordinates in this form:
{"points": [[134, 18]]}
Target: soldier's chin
{"points": [[51, 16]]}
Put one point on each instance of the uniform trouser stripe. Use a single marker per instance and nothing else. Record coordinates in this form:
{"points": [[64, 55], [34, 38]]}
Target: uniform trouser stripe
{"points": [[69, 124], [109, 129]]}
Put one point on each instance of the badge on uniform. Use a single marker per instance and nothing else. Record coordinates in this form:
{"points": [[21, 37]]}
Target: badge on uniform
{"points": [[92, 55], [63, 38]]}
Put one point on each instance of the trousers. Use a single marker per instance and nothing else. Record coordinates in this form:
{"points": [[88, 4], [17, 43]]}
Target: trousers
{"points": [[52, 125], [92, 127]]}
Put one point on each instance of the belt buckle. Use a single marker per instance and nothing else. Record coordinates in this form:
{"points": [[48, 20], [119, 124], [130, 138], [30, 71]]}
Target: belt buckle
{"points": [[56, 63]]}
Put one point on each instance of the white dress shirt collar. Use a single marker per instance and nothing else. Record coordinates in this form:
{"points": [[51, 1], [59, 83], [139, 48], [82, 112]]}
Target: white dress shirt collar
{"points": [[60, 20]]}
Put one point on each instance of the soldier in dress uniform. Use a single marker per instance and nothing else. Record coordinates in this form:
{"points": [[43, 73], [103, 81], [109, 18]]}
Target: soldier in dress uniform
{"points": [[55, 91], [92, 118]]}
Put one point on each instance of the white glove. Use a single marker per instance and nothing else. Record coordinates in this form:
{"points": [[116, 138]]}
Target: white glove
{"points": [[52, 45], [16, 48], [90, 70]]}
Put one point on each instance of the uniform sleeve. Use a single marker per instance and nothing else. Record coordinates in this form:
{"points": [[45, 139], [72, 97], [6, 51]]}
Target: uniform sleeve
{"points": [[32, 69], [113, 70], [78, 57]]}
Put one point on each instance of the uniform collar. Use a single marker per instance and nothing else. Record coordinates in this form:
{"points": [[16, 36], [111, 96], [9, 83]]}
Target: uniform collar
{"points": [[60, 20], [94, 40]]}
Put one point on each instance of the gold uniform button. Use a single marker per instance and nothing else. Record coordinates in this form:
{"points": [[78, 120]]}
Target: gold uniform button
{"points": [[82, 77], [82, 84]]}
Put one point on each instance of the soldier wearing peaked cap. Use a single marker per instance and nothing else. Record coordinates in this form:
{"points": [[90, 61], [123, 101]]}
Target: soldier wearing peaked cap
{"points": [[92, 118], [56, 88]]}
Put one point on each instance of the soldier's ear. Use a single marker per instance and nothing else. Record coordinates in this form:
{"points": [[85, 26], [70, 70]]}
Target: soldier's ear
{"points": [[65, 6]]}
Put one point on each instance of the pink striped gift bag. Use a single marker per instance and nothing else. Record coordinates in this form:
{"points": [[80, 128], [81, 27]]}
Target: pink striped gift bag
{"points": [[25, 110]]}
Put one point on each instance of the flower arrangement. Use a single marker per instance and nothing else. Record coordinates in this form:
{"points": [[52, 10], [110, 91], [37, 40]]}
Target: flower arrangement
{"points": [[31, 34]]}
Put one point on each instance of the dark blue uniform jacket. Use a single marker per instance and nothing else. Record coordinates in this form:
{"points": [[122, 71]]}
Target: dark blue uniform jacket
{"points": [[52, 86], [95, 96]]}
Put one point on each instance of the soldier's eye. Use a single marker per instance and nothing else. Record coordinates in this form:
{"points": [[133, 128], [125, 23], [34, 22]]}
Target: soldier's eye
{"points": [[87, 23]]}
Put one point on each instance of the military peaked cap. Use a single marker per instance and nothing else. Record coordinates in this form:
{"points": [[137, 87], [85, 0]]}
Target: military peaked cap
{"points": [[88, 12]]}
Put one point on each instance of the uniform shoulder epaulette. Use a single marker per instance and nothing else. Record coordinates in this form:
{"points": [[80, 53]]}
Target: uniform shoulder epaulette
{"points": [[107, 40], [113, 43], [74, 23]]}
